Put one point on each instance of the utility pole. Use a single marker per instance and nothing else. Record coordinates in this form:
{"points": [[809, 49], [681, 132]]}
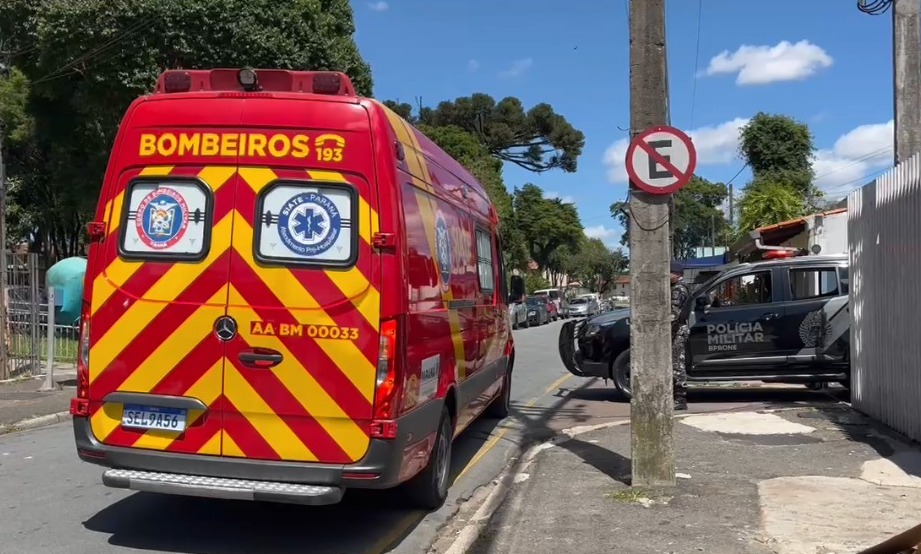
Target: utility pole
{"points": [[651, 410], [906, 71], [5, 61]]}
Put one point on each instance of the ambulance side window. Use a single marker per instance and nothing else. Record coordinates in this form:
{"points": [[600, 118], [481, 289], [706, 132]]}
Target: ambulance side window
{"points": [[166, 218], [307, 223], [484, 257]]}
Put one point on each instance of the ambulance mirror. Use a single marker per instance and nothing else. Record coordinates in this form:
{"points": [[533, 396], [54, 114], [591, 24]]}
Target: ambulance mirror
{"points": [[516, 288]]}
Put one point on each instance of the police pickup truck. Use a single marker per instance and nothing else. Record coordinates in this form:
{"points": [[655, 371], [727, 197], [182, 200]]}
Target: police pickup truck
{"points": [[779, 321]]}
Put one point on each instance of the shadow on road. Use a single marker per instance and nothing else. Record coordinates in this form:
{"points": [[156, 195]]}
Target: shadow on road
{"points": [[366, 521]]}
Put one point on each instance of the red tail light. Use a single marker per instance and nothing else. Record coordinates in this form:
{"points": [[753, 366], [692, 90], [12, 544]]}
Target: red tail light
{"points": [[386, 395], [80, 405]]}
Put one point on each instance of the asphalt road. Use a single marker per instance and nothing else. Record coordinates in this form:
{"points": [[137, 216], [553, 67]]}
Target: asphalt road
{"points": [[50, 502]]}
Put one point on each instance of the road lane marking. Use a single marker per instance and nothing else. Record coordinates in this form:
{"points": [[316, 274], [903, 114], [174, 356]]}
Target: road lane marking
{"points": [[495, 440], [417, 516]]}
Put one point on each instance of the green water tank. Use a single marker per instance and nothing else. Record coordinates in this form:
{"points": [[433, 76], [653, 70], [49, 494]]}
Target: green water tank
{"points": [[66, 277]]}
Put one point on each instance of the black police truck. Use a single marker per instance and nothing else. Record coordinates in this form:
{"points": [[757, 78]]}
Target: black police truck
{"points": [[782, 321]]}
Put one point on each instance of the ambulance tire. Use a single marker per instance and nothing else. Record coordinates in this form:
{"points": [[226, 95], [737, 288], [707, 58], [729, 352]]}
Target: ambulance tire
{"points": [[501, 405], [429, 489]]}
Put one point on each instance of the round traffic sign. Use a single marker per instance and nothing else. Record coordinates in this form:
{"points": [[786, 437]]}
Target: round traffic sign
{"points": [[661, 160]]}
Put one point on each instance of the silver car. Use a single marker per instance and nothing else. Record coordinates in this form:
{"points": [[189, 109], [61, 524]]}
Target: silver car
{"points": [[518, 314], [582, 307]]}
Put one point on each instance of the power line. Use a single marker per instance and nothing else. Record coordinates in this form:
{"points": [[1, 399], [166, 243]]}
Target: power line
{"points": [[700, 9]]}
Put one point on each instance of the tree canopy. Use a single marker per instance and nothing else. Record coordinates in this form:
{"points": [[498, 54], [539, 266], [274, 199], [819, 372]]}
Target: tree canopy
{"points": [[546, 224], [538, 139], [780, 152], [86, 62], [698, 219]]}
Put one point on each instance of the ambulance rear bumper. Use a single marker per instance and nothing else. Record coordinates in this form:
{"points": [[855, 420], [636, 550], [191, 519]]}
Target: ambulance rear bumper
{"points": [[235, 478]]}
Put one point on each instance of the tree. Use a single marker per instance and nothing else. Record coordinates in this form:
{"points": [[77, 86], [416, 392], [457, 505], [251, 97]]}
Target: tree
{"points": [[781, 149], [538, 139], [769, 202], [88, 60], [545, 224], [597, 266], [698, 217]]}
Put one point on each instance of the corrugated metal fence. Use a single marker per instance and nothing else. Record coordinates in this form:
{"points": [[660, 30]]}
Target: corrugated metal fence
{"points": [[884, 240]]}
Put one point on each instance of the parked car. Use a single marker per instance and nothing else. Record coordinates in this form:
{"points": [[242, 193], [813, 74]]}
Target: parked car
{"points": [[557, 298], [538, 314], [778, 321], [518, 314], [552, 310], [582, 306]]}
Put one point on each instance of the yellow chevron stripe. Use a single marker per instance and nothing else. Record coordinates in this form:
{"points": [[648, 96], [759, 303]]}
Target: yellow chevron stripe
{"points": [[168, 354], [164, 291], [213, 446], [207, 389], [308, 392], [118, 272], [229, 447], [106, 420], [427, 207], [414, 159], [264, 420], [367, 216], [305, 309], [352, 282]]}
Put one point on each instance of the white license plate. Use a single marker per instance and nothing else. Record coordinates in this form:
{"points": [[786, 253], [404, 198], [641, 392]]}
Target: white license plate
{"points": [[154, 417]]}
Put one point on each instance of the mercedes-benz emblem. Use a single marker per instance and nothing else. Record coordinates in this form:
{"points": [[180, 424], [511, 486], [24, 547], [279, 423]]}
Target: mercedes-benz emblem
{"points": [[225, 328]]}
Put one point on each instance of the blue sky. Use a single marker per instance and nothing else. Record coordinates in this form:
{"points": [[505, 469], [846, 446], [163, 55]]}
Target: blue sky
{"points": [[823, 62]]}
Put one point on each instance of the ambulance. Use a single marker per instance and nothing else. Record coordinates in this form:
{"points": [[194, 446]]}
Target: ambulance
{"points": [[290, 292]]}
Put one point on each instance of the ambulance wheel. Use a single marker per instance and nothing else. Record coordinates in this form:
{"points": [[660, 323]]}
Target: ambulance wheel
{"points": [[501, 404], [620, 374], [429, 489]]}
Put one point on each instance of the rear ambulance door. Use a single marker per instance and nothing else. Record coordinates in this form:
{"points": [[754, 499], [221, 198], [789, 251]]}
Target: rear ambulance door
{"points": [[300, 373], [155, 364]]}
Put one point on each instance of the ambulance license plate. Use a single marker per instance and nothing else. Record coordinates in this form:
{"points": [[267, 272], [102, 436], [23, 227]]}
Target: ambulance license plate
{"points": [[154, 417]]}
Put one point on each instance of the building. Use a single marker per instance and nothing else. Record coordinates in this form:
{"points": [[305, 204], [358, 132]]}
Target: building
{"points": [[819, 233], [621, 286]]}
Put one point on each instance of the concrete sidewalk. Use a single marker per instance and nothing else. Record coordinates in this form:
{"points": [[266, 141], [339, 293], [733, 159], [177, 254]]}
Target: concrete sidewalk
{"points": [[22, 400], [802, 481]]}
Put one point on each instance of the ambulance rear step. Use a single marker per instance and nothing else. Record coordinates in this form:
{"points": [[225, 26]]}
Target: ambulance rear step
{"points": [[219, 487]]}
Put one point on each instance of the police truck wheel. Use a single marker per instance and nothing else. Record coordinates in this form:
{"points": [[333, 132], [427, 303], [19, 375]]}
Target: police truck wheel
{"points": [[429, 489], [620, 373]]}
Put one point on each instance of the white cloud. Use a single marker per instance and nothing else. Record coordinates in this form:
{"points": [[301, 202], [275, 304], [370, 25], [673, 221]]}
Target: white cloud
{"points": [[605, 234], [518, 68], [379, 6], [854, 158], [715, 144], [761, 65], [473, 65], [565, 199]]}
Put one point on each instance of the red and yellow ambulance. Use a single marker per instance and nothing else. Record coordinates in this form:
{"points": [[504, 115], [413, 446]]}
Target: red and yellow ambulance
{"points": [[290, 292]]}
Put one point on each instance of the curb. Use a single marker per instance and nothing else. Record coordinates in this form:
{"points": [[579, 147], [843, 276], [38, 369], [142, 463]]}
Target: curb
{"points": [[471, 532], [34, 423]]}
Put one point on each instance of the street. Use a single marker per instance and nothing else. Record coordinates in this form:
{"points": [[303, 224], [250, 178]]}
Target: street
{"points": [[56, 504]]}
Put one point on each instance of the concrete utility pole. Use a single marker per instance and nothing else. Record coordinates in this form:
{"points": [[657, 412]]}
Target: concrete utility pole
{"points": [[906, 71], [906, 52], [4, 327], [651, 410]]}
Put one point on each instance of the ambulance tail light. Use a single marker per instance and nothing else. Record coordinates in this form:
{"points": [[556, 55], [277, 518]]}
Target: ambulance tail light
{"points": [[327, 83], [386, 391], [80, 405]]}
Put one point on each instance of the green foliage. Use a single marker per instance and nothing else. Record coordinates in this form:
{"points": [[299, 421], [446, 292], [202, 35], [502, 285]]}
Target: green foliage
{"points": [[533, 280], [88, 60], [597, 266], [17, 123], [545, 224], [780, 149], [769, 202], [698, 217], [538, 139]]}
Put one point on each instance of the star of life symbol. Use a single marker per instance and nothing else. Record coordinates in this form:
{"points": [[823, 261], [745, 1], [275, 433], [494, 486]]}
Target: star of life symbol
{"points": [[309, 224], [443, 250], [161, 218]]}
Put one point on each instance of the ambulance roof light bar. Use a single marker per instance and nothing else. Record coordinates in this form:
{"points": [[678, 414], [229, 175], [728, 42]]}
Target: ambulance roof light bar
{"points": [[251, 80]]}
